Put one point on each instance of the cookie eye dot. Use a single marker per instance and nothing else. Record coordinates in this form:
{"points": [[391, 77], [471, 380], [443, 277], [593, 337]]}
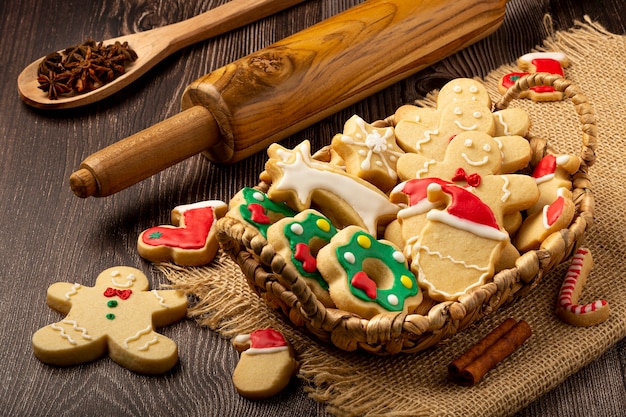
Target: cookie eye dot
{"points": [[457, 89], [486, 148], [473, 89], [477, 115], [458, 111], [468, 143]]}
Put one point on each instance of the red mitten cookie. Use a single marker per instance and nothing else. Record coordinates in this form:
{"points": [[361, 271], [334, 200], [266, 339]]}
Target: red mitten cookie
{"points": [[118, 315]]}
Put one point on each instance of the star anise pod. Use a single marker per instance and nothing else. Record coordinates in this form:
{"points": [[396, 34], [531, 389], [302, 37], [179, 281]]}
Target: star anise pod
{"points": [[54, 84]]}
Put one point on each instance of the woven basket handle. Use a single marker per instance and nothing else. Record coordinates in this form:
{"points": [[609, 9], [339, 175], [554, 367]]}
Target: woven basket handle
{"points": [[569, 90]]}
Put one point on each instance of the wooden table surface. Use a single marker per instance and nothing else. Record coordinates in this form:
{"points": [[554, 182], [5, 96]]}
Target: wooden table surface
{"points": [[49, 235]]}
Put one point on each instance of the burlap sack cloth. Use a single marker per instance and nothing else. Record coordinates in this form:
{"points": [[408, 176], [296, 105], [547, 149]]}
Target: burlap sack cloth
{"points": [[416, 384]]}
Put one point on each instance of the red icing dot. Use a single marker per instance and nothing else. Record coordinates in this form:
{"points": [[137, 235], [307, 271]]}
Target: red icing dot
{"points": [[258, 214], [266, 338], [303, 254], [363, 282]]}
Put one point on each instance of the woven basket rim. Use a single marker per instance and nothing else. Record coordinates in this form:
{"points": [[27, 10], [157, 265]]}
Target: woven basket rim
{"points": [[279, 283]]}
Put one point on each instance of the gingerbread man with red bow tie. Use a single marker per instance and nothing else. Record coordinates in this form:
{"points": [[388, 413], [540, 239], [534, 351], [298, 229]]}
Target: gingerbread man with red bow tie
{"points": [[118, 315]]}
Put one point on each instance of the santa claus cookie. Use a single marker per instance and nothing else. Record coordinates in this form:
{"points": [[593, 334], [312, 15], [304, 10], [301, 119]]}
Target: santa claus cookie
{"points": [[463, 105], [266, 364], [191, 241], [116, 316]]}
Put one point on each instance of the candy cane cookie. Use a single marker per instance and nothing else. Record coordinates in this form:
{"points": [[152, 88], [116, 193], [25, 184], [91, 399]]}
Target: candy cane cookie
{"points": [[191, 241], [567, 307], [367, 276]]}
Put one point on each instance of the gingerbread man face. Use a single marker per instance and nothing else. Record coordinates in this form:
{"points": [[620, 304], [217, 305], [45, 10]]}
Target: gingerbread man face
{"points": [[118, 315], [463, 105]]}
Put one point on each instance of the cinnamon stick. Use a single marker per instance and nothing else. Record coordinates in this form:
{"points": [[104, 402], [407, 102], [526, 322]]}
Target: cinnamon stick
{"points": [[470, 367]]}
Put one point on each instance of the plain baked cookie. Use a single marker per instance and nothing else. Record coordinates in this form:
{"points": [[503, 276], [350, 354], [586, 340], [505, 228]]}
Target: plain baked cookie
{"points": [[118, 315]]}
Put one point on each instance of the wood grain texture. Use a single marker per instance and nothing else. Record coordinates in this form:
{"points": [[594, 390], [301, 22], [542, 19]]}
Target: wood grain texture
{"points": [[49, 235]]}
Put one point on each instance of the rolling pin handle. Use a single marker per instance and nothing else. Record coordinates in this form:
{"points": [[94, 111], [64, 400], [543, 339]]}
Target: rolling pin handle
{"points": [[146, 153]]}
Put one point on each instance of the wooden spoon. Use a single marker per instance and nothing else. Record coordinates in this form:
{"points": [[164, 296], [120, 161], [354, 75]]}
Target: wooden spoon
{"points": [[154, 45]]}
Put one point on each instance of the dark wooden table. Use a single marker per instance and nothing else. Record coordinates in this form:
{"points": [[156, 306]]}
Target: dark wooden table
{"points": [[49, 235]]}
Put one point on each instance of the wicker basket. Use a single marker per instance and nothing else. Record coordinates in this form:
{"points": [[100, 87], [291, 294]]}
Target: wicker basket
{"points": [[278, 283]]}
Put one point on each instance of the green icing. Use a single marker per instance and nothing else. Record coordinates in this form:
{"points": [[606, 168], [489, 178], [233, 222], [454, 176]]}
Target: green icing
{"points": [[310, 230], [384, 253], [251, 196]]}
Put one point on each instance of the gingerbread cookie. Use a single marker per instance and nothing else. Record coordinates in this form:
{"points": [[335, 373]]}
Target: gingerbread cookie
{"points": [[345, 199], [567, 307], [266, 365], [463, 105], [368, 152], [118, 315], [550, 62], [367, 276], [298, 240], [190, 242], [255, 208], [551, 173], [459, 246]]}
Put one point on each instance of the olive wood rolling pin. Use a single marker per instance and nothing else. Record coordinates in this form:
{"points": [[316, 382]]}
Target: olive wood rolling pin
{"points": [[240, 109]]}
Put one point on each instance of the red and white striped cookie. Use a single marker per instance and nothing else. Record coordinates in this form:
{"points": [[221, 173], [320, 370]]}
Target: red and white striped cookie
{"points": [[567, 307]]}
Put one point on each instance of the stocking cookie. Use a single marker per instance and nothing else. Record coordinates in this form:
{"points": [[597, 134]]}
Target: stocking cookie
{"points": [[190, 242], [257, 209], [367, 276], [550, 62], [459, 246], [345, 199], [567, 307], [368, 152], [118, 315], [299, 240], [266, 364], [463, 105]]}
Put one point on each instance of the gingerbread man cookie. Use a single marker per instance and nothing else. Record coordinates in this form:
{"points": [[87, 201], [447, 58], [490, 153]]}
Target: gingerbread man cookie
{"points": [[265, 366], [118, 315], [550, 62], [459, 246], [191, 241], [345, 199], [463, 105], [368, 152]]}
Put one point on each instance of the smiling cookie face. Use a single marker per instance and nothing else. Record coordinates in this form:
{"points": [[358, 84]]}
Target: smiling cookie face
{"points": [[474, 152]]}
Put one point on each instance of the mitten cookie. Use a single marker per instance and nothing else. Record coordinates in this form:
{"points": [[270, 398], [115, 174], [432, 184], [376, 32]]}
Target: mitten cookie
{"points": [[367, 276], [266, 364], [345, 199], [118, 315], [190, 242]]}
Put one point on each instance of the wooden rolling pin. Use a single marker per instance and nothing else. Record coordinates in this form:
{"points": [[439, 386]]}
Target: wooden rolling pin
{"points": [[240, 109]]}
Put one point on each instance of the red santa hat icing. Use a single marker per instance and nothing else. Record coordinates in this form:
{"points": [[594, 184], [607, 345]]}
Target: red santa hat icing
{"points": [[545, 169], [416, 190], [465, 211], [263, 341]]}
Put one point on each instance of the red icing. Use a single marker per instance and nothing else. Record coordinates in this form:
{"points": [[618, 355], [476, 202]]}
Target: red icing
{"points": [[416, 188], [266, 338], [555, 210], [193, 235], [112, 292], [548, 65], [546, 166], [472, 180], [363, 282], [468, 206], [303, 254], [509, 79], [258, 214]]}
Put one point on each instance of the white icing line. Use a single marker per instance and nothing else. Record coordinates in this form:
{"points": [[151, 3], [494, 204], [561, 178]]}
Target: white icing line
{"points": [[148, 344], [137, 335], [160, 298], [63, 334], [73, 291], [130, 279], [76, 327]]}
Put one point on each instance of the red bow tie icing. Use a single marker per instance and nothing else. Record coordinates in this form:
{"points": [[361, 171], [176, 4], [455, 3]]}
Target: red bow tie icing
{"points": [[112, 292], [473, 180]]}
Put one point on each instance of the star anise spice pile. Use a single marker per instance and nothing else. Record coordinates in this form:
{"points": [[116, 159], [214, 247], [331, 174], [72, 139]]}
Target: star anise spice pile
{"points": [[83, 68]]}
